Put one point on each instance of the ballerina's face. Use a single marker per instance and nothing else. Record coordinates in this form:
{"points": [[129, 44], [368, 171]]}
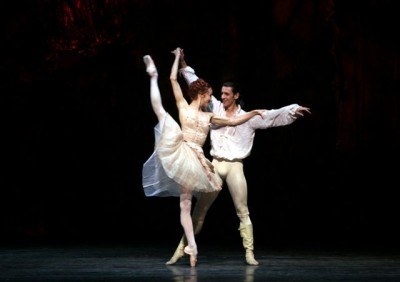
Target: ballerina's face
{"points": [[206, 98]]}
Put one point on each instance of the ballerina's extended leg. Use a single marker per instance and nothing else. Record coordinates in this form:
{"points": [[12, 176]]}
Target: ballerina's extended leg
{"points": [[155, 96], [150, 66]]}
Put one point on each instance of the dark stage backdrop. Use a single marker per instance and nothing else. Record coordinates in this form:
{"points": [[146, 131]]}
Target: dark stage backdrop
{"points": [[77, 124]]}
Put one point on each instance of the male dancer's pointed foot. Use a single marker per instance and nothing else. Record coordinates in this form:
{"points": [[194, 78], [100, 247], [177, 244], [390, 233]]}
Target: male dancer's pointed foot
{"points": [[193, 255], [178, 252], [176, 256], [150, 66]]}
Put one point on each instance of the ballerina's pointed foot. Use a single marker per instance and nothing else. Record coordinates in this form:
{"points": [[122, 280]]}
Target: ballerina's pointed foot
{"points": [[193, 255], [150, 66]]}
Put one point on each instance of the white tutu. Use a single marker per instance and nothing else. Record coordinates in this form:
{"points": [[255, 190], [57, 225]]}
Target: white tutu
{"points": [[175, 163]]}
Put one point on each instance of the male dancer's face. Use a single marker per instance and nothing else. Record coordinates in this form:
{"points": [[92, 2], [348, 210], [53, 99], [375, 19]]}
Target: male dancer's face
{"points": [[228, 98]]}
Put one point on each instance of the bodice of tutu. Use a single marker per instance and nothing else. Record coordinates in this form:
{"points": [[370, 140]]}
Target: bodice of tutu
{"points": [[174, 163], [196, 127]]}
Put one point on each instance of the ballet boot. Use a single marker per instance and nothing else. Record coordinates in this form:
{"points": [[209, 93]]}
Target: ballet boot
{"points": [[179, 252], [150, 66], [246, 232]]}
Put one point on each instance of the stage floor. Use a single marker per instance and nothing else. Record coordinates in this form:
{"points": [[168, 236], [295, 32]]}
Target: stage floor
{"points": [[215, 263]]}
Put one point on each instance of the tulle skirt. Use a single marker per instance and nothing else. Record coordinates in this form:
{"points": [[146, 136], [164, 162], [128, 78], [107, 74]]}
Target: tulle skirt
{"points": [[175, 163]]}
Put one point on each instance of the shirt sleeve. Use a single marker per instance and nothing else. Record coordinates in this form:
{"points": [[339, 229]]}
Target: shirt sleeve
{"points": [[275, 117], [188, 74]]}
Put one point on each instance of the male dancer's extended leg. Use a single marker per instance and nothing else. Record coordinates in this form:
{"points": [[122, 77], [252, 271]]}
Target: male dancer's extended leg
{"points": [[200, 210]]}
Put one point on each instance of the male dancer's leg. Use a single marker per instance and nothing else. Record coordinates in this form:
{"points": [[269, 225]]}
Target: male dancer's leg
{"points": [[237, 186]]}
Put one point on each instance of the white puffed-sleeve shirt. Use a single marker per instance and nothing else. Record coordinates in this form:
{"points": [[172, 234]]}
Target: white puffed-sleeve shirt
{"points": [[235, 142]]}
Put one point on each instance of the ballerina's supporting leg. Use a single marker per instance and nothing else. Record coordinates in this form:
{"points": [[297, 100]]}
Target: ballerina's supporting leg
{"points": [[200, 210], [187, 224]]}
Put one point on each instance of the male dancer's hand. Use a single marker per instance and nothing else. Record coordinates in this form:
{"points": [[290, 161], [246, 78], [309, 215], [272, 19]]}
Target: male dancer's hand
{"points": [[300, 111]]}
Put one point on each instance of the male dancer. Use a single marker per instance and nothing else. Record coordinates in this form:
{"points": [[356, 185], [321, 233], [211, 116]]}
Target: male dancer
{"points": [[229, 146]]}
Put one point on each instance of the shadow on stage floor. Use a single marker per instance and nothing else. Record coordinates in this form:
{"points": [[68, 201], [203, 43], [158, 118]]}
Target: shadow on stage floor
{"points": [[215, 263]]}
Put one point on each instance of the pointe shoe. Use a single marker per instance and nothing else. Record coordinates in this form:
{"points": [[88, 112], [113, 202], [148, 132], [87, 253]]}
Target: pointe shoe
{"points": [[192, 254], [150, 66]]}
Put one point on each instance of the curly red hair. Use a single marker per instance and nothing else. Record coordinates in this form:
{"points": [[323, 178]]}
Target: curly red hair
{"points": [[199, 86]]}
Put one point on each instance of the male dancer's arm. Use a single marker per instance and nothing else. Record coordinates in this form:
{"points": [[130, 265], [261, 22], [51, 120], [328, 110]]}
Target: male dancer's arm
{"points": [[186, 71], [279, 117], [189, 75]]}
